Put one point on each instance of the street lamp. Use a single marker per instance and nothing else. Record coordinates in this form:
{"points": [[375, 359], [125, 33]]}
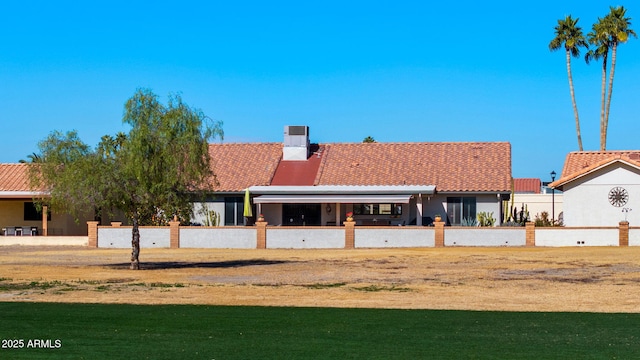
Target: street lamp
{"points": [[553, 199]]}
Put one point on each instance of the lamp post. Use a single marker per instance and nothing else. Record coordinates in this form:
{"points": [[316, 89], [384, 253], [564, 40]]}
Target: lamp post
{"points": [[553, 199]]}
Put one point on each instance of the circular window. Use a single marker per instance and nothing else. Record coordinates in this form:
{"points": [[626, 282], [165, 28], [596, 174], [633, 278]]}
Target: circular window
{"points": [[618, 196]]}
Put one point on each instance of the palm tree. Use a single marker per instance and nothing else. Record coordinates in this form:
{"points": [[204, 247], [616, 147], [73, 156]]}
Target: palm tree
{"points": [[607, 33], [599, 38], [569, 35], [619, 31], [33, 158]]}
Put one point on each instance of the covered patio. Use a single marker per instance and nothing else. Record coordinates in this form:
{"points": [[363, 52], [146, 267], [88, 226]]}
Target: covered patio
{"points": [[329, 204]]}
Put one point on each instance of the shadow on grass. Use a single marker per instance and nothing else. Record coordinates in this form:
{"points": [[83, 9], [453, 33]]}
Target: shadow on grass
{"points": [[159, 265]]}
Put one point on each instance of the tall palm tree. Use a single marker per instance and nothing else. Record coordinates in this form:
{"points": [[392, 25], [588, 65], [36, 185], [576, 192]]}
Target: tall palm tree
{"points": [[607, 33], [600, 39], [569, 35], [619, 31]]}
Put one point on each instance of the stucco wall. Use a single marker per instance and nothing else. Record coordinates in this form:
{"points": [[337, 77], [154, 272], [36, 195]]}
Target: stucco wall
{"points": [[305, 238], [374, 237], [586, 200], [537, 203], [120, 237], [563, 236], [219, 237], [469, 236]]}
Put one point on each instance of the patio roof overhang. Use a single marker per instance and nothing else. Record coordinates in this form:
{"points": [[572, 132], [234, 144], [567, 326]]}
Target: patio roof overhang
{"points": [[331, 199], [343, 190], [20, 194], [344, 194]]}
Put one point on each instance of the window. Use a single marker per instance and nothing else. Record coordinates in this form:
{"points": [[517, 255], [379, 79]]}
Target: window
{"points": [[32, 214], [234, 211], [459, 208], [377, 209]]}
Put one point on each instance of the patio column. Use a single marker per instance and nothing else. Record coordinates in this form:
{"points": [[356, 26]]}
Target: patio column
{"points": [[337, 214], [419, 208], [45, 221]]}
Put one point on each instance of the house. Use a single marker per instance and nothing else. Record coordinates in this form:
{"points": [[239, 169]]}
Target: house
{"points": [[537, 198], [19, 215], [600, 188], [297, 182]]}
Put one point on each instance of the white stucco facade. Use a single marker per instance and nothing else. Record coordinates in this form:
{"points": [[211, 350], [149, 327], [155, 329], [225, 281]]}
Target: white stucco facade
{"points": [[586, 198]]}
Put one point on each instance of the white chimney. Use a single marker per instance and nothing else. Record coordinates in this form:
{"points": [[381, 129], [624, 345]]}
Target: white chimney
{"points": [[296, 143]]}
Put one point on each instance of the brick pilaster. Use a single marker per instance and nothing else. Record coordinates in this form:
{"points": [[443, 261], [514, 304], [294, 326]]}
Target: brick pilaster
{"points": [[530, 234], [623, 236], [92, 231], [439, 236], [349, 234], [262, 234], [174, 234]]}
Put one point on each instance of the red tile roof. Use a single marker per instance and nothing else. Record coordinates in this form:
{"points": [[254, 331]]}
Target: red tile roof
{"points": [[238, 166], [579, 163], [527, 185], [14, 177], [299, 172], [453, 166]]}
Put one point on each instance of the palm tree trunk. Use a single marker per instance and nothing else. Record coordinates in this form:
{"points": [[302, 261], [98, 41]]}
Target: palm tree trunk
{"points": [[573, 100], [614, 49], [603, 130], [135, 244]]}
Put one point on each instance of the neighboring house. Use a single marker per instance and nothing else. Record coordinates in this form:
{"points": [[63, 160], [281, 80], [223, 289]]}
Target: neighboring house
{"points": [[600, 188], [19, 216], [533, 193], [299, 183]]}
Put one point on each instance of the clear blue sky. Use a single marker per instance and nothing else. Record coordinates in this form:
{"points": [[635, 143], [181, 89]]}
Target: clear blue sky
{"points": [[398, 71]]}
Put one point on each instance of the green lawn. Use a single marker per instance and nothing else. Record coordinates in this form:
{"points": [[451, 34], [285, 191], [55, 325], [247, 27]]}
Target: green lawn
{"points": [[92, 331]]}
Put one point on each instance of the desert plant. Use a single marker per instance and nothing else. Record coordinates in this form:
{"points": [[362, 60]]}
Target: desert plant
{"points": [[486, 219], [469, 221], [542, 219]]}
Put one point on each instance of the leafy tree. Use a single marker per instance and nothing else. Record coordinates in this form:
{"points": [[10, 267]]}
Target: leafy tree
{"points": [[151, 174], [369, 139], [607, 33], [568, 35]]}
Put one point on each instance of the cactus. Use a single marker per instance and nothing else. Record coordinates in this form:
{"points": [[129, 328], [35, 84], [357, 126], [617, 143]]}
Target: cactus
{"points": [[486, 219]]}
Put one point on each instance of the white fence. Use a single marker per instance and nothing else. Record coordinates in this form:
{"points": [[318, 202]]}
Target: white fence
{"points": [[44, 240], [634, 237], [317, 237], [499, 236], [371, 237], [218, 238], [560, 236], [282, 237], [120, 237]]}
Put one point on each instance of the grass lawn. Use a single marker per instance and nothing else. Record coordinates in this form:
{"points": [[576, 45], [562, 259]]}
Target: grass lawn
{"points": [[102, 331]]}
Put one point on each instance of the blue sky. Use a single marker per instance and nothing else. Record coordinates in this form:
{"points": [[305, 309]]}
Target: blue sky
{"points": [[394, 70]]}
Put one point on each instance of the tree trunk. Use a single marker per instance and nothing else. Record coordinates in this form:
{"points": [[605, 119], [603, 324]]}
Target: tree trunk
{"points": [[603, 130], [135, 245], [573, 100], [614, 49]]}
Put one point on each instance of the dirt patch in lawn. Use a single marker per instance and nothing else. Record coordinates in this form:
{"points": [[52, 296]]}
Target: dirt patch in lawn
{"points": [[595, 279]]}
